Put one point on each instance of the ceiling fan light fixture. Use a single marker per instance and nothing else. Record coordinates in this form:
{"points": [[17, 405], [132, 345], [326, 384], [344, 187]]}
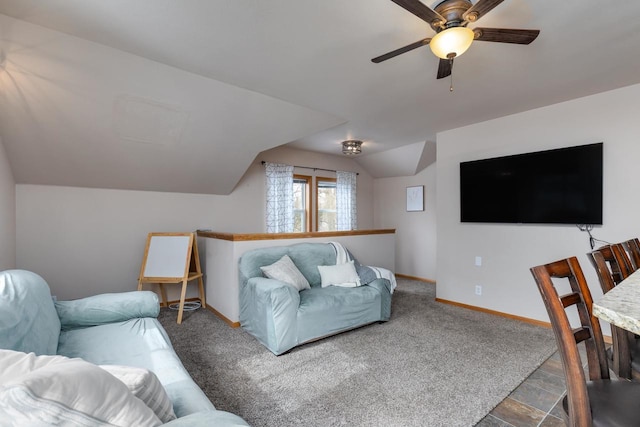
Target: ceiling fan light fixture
{"points": [[351, 147], [452, 42]]}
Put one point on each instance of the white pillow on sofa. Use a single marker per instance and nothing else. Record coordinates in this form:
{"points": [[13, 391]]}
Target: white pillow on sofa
{"points": [[344, 275], [45, 390], [286, 271], [146, 386]]}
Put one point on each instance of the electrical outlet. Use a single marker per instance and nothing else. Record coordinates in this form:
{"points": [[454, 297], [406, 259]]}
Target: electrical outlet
{"points": [[478, 261], [478, 289]]}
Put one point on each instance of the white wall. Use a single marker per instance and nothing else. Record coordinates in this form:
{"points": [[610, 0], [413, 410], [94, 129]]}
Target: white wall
{"points": [[508, 251], [415, 231], [85, 241], [7, 213]]}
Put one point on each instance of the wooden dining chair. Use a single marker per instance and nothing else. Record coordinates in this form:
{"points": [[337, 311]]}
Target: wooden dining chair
{"points": [[599, 401], [632, 247], [618, 265], [618, 261], [625, 349]]}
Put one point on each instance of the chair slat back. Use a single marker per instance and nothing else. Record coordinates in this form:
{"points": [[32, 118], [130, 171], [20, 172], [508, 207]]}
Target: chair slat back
{"points": [[568, 337], [610, 265], [632, 247], [621, 257]]}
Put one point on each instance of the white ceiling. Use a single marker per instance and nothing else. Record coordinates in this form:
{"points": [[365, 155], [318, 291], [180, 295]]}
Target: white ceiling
{"points": [[182, 95]]}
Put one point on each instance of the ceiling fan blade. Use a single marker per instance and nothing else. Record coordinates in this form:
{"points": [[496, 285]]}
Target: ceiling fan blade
{"points": [[479, 9], [404, 49], [505, 35], [421, 11], [444, 68]]}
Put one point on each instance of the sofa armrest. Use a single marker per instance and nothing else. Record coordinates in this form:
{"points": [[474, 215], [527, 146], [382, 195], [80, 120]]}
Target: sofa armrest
{"points": [[384, 287], [269, 310], [107, 308], [207, 419], [263, 287]]}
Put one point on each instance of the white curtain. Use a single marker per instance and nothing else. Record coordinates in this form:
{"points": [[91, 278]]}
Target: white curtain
{"points": [[347, 218], [279, 213]]}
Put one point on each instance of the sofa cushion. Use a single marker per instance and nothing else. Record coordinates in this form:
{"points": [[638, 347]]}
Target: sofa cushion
{"points": [[286, 271], [142, 343], [325, 311], [55, 390], [146, 386], [28, 319], [339, 275]]}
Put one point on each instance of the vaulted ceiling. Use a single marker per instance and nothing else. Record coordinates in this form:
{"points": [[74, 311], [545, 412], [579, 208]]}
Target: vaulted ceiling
{"points": [[182, 95]]}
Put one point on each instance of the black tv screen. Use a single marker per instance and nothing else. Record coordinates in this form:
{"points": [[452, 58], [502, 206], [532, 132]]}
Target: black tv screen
{"points": [[561, 186]]}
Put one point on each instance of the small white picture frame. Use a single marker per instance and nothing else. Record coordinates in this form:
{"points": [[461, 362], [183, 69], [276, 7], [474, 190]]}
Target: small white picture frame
{"points": [[415, 198]]}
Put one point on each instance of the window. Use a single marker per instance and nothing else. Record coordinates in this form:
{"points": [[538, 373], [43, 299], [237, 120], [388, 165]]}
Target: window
{"points": [[326, 219], [294, 206], [301, 204]]}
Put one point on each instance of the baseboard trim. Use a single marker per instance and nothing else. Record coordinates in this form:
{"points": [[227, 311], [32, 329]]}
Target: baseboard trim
{"points": [[419, 279], [607, 338], [223, 317], [496, 313]]}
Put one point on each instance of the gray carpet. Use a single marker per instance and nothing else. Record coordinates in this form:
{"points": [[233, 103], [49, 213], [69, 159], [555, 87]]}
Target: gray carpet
{"points": [[432, 364]]}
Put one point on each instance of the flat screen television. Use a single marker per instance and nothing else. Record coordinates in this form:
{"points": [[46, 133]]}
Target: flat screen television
{"points": [[561, 186]]}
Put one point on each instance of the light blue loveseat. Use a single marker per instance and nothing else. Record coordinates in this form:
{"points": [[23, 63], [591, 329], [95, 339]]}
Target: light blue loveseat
{"points": [[107, 329], [281, 317]]}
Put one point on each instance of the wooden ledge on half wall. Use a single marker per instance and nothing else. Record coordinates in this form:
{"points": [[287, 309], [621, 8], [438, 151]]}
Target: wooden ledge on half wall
{"points": [[239, 237]]}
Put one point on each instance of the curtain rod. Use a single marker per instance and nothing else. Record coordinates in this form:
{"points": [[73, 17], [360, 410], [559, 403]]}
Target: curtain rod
{"points": [[309, 167]]}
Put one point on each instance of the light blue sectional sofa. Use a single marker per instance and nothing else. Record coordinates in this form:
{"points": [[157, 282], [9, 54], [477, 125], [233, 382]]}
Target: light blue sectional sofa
{"points": [[282, 317], [108, 329]]}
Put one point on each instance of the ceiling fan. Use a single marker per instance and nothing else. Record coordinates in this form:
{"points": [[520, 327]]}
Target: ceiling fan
{"points": [[449, 20]]}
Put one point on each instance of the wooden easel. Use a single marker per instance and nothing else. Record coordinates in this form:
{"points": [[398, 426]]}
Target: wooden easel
{"points": [[172, 258]]}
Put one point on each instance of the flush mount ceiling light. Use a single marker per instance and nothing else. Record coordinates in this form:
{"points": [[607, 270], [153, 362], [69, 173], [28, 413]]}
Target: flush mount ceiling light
{"points": [[351, 147]]}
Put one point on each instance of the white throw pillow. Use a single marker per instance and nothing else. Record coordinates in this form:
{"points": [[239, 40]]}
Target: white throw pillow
{"points": [[146, 386], [56, 390], [339, 275], [286, 271]]}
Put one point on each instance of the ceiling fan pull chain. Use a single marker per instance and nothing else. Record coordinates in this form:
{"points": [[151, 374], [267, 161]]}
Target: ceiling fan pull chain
{"points": [[451, 76]]}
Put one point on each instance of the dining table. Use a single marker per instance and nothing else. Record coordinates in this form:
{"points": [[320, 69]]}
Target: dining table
{"points": [[621, 305]]}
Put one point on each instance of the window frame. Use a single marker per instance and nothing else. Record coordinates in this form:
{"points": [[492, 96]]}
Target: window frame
{"points": [[317, 181], [307, 207]]}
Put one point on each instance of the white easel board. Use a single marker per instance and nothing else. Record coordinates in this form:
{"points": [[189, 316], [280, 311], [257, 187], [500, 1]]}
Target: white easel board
{"points": [[168, 256]]}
